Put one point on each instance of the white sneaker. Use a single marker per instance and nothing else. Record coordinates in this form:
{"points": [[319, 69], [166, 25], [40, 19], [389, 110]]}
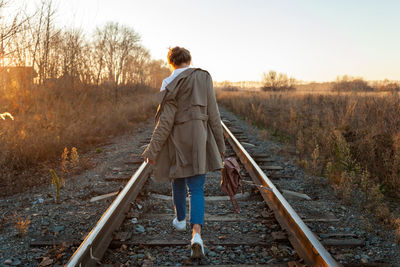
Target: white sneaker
{"points": [[179, 225], [197, 247]]}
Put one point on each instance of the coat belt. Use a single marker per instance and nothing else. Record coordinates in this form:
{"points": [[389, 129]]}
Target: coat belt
{"points": [[182, 118]]}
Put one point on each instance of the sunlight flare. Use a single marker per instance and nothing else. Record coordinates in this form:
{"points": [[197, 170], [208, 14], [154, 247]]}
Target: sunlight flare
{"points": [[6, 114]]}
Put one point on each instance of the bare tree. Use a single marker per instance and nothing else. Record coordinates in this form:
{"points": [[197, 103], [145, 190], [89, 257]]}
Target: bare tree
{"points": [[87, 59], [98, 54], [72, 42], [8, 30], [47, 38], [136, 71], [276, 82], [117, 43]]}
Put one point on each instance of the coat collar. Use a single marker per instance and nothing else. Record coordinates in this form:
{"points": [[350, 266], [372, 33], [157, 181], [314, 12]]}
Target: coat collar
{"points": [[172, 85]]}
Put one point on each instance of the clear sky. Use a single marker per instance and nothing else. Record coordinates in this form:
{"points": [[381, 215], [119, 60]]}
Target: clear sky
{"points": [[311, 40]]}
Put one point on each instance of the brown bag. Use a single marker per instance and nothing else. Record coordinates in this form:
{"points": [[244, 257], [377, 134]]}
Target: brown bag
{"points": [[231, 180]]}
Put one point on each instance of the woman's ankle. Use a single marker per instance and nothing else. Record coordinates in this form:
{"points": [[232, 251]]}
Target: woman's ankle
{"points": [[196, 229]]}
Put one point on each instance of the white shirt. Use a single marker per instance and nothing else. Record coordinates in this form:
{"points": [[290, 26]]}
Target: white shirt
{"points": [[169, 79]]}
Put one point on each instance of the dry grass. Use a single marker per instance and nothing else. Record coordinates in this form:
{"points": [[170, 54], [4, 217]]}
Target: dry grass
{"points": [[353, 139], [340, 133], [47, 120]]}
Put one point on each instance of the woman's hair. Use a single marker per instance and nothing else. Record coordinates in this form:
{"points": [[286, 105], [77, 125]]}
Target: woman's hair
{"points": [[178, 55]]}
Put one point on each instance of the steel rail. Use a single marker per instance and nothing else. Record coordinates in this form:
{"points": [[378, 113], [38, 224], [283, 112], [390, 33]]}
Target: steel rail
{"points": [[300, 236], [97, 241]]}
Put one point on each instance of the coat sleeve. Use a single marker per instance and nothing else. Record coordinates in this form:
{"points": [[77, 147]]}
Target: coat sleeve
{"points": [[162, 129], [214, 117]]}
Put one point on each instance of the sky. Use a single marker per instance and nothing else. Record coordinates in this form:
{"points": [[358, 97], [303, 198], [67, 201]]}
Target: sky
{"points": [[310, 40]]}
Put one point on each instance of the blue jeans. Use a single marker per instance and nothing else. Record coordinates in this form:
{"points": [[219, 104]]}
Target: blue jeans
{"points": [[196, 194]]}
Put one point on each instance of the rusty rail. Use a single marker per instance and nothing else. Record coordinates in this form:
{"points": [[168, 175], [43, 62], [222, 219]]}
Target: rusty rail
{"points": [[300, 236], [97, 241]]}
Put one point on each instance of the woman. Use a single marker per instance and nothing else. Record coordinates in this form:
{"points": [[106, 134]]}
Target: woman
{"points": [[187, 140]]}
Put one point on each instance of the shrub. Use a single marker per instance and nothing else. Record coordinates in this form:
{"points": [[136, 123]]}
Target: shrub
{"points": [[277, 82]]}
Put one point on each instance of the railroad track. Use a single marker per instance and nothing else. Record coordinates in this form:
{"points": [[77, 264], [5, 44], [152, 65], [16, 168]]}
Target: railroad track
{"points": [[136, 228]]}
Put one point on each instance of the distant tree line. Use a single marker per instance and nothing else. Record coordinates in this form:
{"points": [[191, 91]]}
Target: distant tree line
{"points": [[113, 55], [273, 81], [347, 84], [386, 85]]}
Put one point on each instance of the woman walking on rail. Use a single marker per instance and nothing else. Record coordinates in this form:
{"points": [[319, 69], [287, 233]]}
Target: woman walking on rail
{"points": [[187, 140]]}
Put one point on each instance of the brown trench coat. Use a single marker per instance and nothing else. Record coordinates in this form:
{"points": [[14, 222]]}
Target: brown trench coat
{"points": [[187, 139]]}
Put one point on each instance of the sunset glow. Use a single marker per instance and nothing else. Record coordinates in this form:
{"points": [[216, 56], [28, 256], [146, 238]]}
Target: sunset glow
{"points": [[239, 40]]}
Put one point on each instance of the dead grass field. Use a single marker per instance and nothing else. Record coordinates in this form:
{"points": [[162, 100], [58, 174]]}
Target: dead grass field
{"points": [[352, 138], [48, 120]]}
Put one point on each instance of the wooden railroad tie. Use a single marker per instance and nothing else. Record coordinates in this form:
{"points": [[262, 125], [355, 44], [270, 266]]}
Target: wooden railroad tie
{"points": [[181, 242]]}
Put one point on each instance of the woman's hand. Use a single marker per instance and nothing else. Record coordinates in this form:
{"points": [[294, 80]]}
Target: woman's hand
{"points": [[146, 159]]}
